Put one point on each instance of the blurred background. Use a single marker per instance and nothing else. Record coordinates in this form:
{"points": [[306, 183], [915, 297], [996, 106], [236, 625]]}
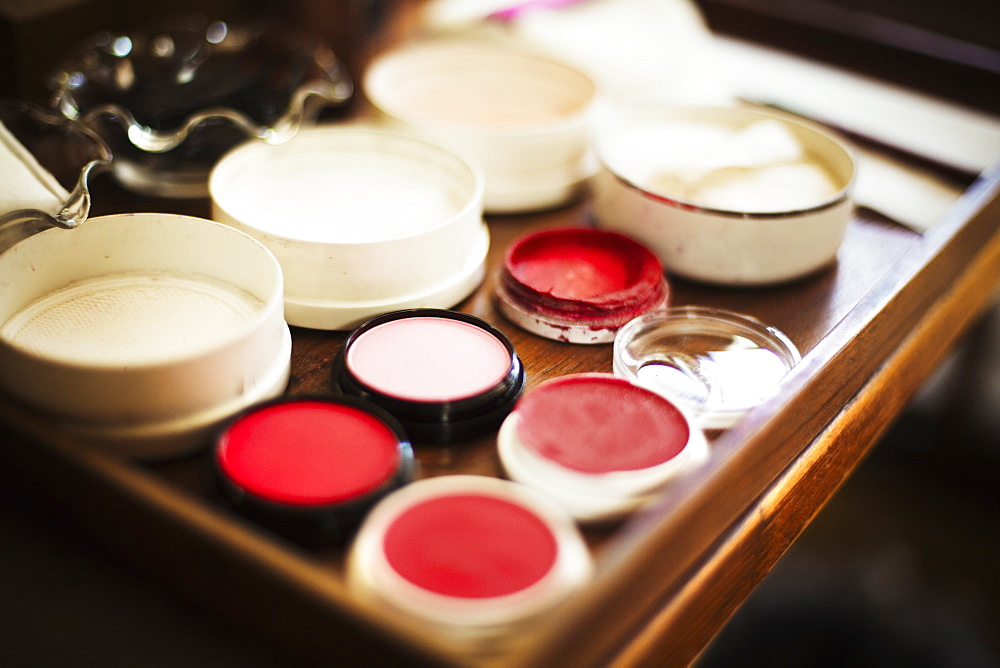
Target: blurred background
{"points": [[899, 569]]}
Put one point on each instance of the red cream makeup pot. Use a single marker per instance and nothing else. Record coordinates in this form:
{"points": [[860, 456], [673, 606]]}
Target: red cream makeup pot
{"points": [[579, 285], [446, 376], [598, 444], [309, 468], [473, 557]]}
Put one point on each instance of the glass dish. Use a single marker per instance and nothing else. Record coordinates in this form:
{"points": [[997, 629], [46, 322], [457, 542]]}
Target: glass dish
{"points": [[716, 363], [47, 147], [170, 102]]}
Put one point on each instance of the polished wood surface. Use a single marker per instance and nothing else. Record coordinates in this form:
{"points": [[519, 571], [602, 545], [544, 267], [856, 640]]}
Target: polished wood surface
{"points": [[871, 328]]}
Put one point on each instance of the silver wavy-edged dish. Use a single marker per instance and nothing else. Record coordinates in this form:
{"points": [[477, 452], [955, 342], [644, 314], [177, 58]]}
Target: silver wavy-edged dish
{"points": [[68, 150], [171, 102]]}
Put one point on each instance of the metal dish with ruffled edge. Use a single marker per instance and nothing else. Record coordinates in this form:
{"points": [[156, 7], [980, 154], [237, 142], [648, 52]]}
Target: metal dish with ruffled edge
{"points": [[62, 152], [170, 102]]}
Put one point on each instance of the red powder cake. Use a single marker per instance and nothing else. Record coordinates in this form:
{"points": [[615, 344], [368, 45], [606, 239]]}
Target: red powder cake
{"points": [[310, 468], [473, 557], [579, 285], [598, 444]]}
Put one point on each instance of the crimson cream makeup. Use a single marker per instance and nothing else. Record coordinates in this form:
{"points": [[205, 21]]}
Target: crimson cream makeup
{"points": [[309, 468], [446, 376], [473, 557], [578, 285], [598, 444]]}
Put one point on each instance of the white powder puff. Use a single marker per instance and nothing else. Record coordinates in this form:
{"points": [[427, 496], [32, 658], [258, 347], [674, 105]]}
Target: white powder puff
{"points": [[774, 188], [759, 169]]}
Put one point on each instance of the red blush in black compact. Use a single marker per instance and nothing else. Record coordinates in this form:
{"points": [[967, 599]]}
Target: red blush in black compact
{"points": [[310, 468]]}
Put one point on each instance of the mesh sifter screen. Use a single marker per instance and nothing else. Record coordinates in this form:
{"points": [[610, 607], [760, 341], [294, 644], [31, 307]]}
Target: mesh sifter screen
{"points": [[132, 318]]}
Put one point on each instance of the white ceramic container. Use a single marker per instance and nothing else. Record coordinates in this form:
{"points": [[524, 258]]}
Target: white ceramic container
{"points": [[525, 119], [725, 195], [141, 331], [472, 559], [599, 445], [717, 364], [362, 221]]}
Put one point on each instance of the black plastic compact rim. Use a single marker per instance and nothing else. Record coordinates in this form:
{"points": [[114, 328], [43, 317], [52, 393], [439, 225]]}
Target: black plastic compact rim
{"points": [[320, 524], [437, 422]]}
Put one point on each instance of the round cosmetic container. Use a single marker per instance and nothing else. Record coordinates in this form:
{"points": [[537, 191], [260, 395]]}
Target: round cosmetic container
{"points": [[578, 285], [473, 558], [363, 222], [598, 444], [725, 195], [716, 363], [446, 376], [136, 332], [525, 119], [309, 468]]}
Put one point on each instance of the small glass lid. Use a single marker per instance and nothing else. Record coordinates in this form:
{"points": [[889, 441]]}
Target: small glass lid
{"points": [[717, 363]]}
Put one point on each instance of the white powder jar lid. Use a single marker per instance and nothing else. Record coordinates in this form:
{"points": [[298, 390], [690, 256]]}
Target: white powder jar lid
{"points": [[363, 222]]}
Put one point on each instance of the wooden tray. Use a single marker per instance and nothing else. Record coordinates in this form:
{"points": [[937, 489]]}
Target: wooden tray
{"points": [[870, 330]]}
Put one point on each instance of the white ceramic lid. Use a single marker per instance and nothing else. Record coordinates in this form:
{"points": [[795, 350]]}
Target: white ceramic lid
{"points": [[362, 221], [524, 118]]}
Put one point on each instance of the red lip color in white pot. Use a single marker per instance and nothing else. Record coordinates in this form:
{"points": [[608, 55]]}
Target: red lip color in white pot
{"points": [[578, 285], [475, 557], [598, 444], [446, 376], [309, 468]]}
